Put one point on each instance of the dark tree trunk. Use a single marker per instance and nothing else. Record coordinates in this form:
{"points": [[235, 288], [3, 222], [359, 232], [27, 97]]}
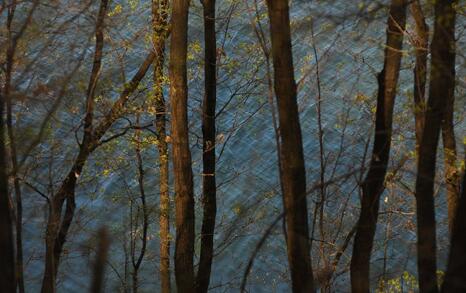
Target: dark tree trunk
{"points": [[421, 43], [442, 83], [7, 261], [160, 9], [98, 275], [452, 177], [373, 184], [19, 201], [455, 277], [292, 173], [183, 175], [7, 251], [208, 155]]}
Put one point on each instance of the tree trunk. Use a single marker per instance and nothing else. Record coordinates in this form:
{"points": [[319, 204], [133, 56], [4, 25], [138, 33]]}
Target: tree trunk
{"points": [[7, 261], [442, 82], [373, 184], [421, 43], [292, 173], [208, 155], [19, 201], [160, 9], [452, 178], [456, 271], [101, 256], [183, 175]]}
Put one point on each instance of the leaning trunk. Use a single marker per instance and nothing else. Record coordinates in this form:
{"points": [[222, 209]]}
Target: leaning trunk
{"points": [[292, 173], [373, 184]]}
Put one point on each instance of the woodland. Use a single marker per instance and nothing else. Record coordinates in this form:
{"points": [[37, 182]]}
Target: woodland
{"points": [[232, 146]]}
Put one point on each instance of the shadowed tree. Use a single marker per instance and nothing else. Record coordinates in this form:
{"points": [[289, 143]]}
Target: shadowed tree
{"points": [[7, 262], [101, 256], [442, 84], [455, 276], [373, 184], [421, 44], [292, 173], [209, 189]]}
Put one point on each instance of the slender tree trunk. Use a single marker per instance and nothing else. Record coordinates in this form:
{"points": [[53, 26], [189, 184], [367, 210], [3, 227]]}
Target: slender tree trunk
{"points": [[19, 201], [98, 275], [137, 261], [293, 174], [7, 261], [373, 184], [442, 82], [208, 156], [183, 174], [455, 276], [452, 178], [160, 9], [421, 43]]}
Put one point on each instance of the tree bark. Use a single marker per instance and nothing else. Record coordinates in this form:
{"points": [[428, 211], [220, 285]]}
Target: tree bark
{"points": [[101, 256], [183, 175], [421, 43], [373, 184], [160, 9], [455, 276], [442, 82], [208, 155], [451, 174], [7, 261], [292, 173]]}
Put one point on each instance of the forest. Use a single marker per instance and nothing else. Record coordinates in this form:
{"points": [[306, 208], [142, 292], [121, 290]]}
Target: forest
{"points": [[232, 146]]}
